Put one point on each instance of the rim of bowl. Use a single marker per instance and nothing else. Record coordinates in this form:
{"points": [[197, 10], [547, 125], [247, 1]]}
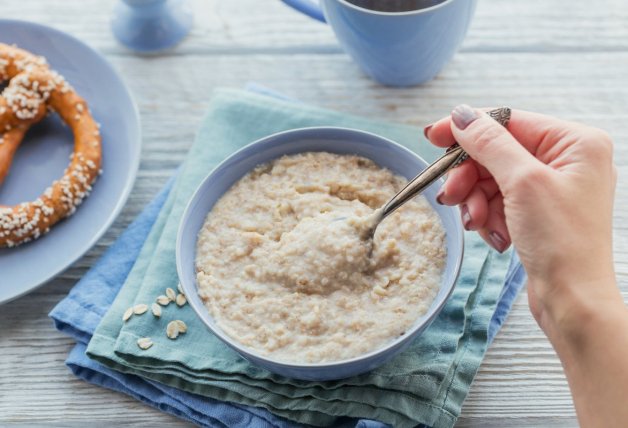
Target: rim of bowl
{"points": [[403, 13], [432, 312]]}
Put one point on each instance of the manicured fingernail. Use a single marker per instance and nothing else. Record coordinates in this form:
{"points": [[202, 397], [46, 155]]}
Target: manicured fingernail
{"points": [[426, 130], [439, 196], [466, 217], [499, 243], [463, 115]]}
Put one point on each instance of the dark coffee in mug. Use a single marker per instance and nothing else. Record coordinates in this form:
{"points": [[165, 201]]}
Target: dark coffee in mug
{"points": [[395, 5]]}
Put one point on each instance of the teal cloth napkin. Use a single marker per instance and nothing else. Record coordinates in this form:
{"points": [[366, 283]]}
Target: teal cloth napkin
{"points": [[425, 384]]}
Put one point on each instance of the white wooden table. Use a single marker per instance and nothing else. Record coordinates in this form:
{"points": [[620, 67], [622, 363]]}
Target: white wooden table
{"points": [[562, 57]]}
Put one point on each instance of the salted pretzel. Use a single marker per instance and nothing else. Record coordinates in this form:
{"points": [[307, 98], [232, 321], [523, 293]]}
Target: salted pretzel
{"points": [[33, 90]]}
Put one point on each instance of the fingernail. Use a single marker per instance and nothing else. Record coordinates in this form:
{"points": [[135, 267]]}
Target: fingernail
{"points": [[439, 196], [466, 217], [499, 243], [426, 130], [463, 115]]}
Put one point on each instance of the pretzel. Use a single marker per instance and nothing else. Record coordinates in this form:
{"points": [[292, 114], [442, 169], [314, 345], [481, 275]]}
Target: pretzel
{"points": [[33, 90]]}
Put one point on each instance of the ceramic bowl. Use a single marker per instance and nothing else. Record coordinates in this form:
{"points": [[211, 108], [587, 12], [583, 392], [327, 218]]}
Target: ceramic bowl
{"points": [[329, 139]]}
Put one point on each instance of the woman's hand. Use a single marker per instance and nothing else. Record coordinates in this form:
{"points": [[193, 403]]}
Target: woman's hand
{"points": [[547, 186], [544, 184]]}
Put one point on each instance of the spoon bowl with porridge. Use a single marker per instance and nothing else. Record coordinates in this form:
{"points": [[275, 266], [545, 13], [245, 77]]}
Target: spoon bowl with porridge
{"points": [[270, 272]]}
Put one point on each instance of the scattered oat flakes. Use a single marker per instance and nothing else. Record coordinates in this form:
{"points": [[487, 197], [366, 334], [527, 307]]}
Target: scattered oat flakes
{"points": [[171, 294], [156, 309], [163, 300], [172, 330], [144, 343], [139, 309], [181, 300], [127, 314]]}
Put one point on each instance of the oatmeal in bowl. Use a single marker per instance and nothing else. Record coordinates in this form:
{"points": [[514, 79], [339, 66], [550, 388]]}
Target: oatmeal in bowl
{"points": [[273, 251], [283, 268]]}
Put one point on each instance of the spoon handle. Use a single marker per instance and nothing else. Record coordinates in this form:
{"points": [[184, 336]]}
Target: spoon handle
{"points": [[452, 157]]}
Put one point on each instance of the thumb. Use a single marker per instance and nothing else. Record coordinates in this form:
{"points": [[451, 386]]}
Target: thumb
{"points": [[490, 144]]}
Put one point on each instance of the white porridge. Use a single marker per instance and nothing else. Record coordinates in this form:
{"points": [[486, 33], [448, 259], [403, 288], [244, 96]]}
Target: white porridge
{"points": [[282, 267]]}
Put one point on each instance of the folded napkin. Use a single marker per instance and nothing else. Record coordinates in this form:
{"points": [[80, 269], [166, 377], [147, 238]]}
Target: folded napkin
{"points": [[424, 385]]}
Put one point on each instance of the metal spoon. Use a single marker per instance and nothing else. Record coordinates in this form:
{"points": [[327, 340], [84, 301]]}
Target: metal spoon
{"points": [[452, 157]]}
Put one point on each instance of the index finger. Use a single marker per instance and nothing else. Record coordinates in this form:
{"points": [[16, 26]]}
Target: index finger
{"points": [[529, 128]]}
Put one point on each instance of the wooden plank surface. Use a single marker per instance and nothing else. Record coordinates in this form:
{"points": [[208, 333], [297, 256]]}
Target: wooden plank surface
{"points": [[563, 57]]}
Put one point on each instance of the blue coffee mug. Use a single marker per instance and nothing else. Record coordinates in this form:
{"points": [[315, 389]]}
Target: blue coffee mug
{"points": [[396, 48]]}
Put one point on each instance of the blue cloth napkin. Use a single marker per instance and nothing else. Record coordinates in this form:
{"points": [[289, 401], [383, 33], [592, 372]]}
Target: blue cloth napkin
{"points": [[79, 314]]}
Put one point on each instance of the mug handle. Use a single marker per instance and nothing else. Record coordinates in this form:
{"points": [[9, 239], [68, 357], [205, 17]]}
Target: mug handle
{"points": [[310, 8]]}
